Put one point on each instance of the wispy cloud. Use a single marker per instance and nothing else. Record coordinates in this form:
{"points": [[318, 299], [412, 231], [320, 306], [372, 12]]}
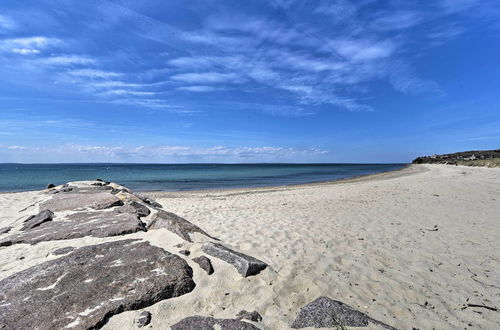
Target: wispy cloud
{"points": [[94, 74], [7, 24], [29, 45], [165, 152], [207, 77]]}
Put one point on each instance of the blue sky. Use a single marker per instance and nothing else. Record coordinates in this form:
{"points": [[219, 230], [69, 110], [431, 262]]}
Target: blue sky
{"points": [[247, 81]]}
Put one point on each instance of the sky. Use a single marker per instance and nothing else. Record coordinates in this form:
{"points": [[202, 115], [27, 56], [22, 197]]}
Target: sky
{"points": [[247, 81]]}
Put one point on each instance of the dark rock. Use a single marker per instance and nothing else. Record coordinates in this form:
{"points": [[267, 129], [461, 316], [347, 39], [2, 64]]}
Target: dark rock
{"points": [[175, 224], [96, 224], [64, 250], [84, 289], [5, 230], [80, 198], [185, 252], [246, 265], [205, 264], [143, 319], [36, 220], [135, 207], [252, 316], [209, 323], [328, 313], [149, 201], [51, 185]]}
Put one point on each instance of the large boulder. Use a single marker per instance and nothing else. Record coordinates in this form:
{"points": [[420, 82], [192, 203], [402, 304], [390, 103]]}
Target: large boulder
{"points": [[209, 323], [83, 289], [246, 265], [175, 224], [96, 224], [80, 199], [328, 313], [36, 220], [135, 207]]}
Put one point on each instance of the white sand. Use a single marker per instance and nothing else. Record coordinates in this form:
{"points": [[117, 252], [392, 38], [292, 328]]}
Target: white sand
{"points": [[365, 242]]}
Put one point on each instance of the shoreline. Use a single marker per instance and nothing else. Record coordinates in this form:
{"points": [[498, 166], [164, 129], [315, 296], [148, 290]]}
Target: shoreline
{"points": [[404, 166], [408, 169]]}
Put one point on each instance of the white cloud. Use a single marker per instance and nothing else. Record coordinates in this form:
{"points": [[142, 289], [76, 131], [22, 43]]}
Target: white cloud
{"points": [[169, 152], [397, 20], [455, 6], [94, 74], [207, 77], [199, 88], [29, 45], [67, 60]]}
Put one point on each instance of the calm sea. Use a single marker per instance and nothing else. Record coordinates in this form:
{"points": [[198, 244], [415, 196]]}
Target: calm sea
{"points": [[174, 177]]}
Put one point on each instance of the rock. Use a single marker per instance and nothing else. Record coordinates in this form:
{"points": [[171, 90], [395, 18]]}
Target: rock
{"points": [[209, 323], [96, 224], [149, 201], [328, 313], [175, 224], [185, 252], [51, 185], [107, 202], [64, 250], [5, 230], [135, 207], [205, 264], [252, 316], [245, 264], [36, 220], [143, 319], [80, 198], [83, 289]]}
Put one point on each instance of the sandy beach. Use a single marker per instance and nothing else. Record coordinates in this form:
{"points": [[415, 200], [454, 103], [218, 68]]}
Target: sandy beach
{"points": [[410, 248]]}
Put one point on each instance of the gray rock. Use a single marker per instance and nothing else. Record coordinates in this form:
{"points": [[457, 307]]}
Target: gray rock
{"points": [[175, 224], [209, 323], [96, 224], [5, 230], [328, 313], [245, 264], [107, 202], [251, 316], [143, 319], [205, 264], [80, 198], [36, 220], [84, 289], [64, 250], [51, 185], [135, 207], [185, 252]]}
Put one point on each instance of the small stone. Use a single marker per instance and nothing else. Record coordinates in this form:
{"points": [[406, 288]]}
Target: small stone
{"points": [[205, 264], [107, 202], [143, 319], [135, 207], [251, 316], [185, 252], [51, 185], [246, 265]]}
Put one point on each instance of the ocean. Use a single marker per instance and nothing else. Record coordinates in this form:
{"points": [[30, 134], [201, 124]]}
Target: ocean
{"points": [[177, 177]]}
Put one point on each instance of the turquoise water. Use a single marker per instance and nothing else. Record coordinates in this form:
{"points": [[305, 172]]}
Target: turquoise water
{"points": [[175, 177]]}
